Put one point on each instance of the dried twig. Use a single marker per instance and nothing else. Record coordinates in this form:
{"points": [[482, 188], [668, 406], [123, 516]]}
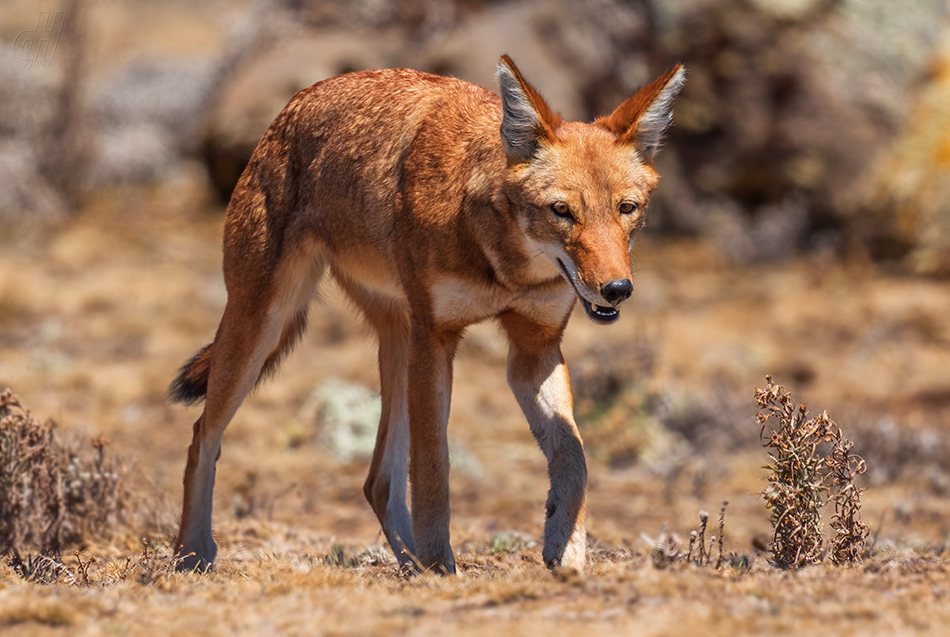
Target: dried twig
{"points": [[722, 530]]}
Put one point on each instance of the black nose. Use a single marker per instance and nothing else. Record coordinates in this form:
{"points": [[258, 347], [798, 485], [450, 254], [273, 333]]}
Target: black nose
{"points": [[616, 291]]}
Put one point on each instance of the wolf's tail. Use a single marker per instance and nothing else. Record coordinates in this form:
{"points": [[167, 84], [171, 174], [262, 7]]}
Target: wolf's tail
{"points": [[191, 385]]}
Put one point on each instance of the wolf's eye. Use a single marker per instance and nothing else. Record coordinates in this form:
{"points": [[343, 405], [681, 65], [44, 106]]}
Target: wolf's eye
{"points": [[627, 207], [562, 210]]}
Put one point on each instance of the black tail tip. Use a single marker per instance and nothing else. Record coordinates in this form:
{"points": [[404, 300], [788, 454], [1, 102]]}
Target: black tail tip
{"points": [[191, 385], [184, 392]]}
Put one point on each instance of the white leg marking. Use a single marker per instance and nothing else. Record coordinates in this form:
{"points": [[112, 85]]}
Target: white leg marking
{"points": [[395, 468], [547, 404]]}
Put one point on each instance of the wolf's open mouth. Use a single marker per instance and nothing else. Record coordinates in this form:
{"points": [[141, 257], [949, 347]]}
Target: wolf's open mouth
{"points": [[600, 314], [597, 313]]}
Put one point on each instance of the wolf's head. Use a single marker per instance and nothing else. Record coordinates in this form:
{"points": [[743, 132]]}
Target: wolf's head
{"points": [[580, 191]]}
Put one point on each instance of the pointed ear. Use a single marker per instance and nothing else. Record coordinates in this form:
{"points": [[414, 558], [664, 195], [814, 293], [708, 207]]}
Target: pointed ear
{"points": [[643, 118], [527, 121]]}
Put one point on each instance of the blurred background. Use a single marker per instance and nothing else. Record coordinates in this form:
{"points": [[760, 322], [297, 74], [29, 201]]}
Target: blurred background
{"points": [[801, 228], [806, 125]]}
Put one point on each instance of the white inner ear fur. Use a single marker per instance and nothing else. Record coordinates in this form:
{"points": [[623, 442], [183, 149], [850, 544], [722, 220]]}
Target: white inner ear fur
{"points": [[657, 118], [521, 122]]}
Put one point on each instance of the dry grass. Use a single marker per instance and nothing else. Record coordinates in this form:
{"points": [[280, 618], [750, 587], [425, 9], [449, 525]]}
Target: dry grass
{"points": [[104, 309], [297, 593], [96, 314]]}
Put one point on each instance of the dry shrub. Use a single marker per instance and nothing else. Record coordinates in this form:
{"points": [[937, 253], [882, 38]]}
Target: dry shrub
{"points": [[55, 493], [95, 492], [667, 551], [32, 506], [794, 490], [801, 473], [843, 467], [41, 569]]}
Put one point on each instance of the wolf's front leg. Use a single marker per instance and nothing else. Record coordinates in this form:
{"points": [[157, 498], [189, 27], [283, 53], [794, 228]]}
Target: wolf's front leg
{"points": [[538, 377], [430, 393]]}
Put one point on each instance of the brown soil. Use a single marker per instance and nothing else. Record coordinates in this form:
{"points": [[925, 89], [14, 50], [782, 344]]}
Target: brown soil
{"points": [[97, 313]]}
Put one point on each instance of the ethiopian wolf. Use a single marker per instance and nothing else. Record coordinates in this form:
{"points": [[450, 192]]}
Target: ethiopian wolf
{"points": [[434, 204]]}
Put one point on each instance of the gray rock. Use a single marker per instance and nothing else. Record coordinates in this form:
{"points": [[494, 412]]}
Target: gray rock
{"points": [[348, 415], [348, 418]]}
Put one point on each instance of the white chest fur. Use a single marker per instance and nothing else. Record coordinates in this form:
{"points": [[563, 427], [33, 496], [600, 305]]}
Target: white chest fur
{"points": [[457, 300]]}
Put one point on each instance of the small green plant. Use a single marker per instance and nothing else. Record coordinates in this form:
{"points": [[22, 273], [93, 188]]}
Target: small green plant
{"points": [[739, 562], [801, 472], [509, 542], [336, 557]]}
